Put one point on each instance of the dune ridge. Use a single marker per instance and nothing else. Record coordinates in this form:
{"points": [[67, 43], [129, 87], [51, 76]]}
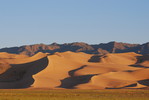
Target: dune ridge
{"points": [[70, 70]]}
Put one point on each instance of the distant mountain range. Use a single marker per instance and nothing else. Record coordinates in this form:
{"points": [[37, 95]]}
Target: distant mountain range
{"points": [[103, 48]]}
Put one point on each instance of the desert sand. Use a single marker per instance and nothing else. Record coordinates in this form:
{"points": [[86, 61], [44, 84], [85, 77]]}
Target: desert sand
{"points": [[71, 70]]}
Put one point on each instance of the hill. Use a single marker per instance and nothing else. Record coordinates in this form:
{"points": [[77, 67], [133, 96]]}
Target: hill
{"points": [[103, 48]]}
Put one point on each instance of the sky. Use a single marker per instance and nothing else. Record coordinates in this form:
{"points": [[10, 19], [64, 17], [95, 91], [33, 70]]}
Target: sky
{"points": [[24, 22]]}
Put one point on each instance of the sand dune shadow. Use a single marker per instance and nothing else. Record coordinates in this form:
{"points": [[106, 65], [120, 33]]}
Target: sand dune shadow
{"points": [[144, 82], [20, 75], [72, 81]]}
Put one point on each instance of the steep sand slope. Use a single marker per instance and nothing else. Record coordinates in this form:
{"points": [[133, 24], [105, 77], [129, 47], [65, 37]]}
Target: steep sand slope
{"points": [[74, 70]]}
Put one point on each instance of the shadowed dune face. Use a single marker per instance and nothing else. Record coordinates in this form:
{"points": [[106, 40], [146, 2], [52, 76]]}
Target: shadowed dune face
{"points": [[71, 82], [143, 61], [74, 71], [95, 58], [144, 82]]}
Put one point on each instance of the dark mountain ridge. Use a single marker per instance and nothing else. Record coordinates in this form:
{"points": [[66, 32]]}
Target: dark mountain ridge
{"points": [[103, 48]]}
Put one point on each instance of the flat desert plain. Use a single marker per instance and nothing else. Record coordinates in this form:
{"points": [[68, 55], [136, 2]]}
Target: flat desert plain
{"points": [[40, 94]]}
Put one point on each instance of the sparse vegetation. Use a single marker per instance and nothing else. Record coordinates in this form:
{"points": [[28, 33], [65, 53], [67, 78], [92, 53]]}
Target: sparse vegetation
{"points": [[74, 94]]}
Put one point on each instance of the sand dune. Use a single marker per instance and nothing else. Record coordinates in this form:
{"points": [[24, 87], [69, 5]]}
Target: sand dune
{"points": [[74, 70], [19, 71], [143, 61]]}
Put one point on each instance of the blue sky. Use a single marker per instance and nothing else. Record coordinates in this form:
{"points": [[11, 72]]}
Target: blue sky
{"points": [[93, 21]]}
